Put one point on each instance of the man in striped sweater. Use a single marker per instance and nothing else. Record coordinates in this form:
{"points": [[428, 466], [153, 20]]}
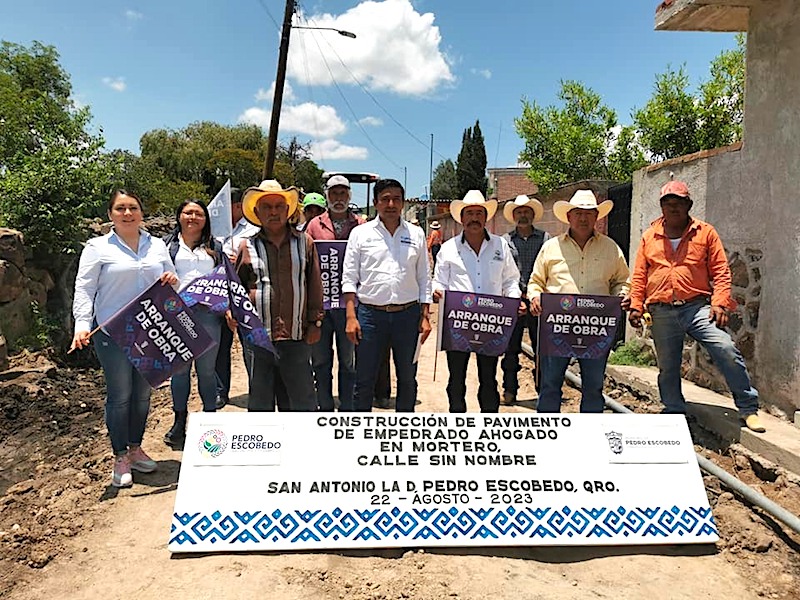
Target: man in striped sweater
{"points": [[280, 270]]}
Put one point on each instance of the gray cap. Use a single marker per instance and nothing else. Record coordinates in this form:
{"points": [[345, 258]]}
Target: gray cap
{"points": [[337, 180]]}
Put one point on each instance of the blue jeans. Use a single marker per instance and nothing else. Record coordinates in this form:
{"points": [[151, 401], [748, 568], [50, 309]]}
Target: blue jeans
{"points": [[379, 330], [204, 366], [670, 325], [322, 359], [551, 381], [292, 366], [127, 395]]}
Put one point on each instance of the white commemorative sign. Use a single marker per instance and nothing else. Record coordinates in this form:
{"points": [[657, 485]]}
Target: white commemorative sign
{"points": [[304, 481]]}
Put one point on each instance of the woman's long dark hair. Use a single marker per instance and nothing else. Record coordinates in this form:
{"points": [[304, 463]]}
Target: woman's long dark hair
{"points": [[205, 234]]}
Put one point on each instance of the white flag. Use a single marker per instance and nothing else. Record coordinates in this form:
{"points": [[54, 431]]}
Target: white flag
{"points": [[220, 211]]}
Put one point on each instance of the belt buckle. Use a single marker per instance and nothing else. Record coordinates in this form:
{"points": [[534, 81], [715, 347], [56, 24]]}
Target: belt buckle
{"points": [[678, 302]]}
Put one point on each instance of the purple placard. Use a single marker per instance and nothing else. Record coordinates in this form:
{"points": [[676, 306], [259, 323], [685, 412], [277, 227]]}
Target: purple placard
{"points": [[210, 290], [477, 323], [244, 313], [158, 333], [578, 325], [331, 261]]}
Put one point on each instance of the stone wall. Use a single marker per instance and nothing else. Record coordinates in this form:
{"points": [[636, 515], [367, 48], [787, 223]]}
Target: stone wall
{"points": [[20, 287]]}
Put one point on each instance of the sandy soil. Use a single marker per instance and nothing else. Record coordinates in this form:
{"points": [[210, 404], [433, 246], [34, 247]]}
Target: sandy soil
{"points": [[64, 533]]}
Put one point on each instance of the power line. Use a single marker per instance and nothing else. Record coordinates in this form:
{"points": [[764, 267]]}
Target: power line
{"points": [[269, 14], [350, 108], [372, 97]]}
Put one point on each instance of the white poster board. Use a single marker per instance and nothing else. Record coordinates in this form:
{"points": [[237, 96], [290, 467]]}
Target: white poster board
{"points": [[308, 481]]}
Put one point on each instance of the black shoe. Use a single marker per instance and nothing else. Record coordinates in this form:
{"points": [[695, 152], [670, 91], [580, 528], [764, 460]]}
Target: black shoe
{"points": [[383, 403], [176, 436], [220, 402]]}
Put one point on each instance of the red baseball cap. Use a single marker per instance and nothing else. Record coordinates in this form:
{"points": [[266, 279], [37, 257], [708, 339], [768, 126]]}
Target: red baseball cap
{"points": [[675, 188]]}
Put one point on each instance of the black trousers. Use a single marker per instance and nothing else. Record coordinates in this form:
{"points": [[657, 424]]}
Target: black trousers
{"points": [[488, 397]]}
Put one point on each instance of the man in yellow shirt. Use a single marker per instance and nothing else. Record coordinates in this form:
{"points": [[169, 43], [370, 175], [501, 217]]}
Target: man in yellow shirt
{"points": [[581, 261]]}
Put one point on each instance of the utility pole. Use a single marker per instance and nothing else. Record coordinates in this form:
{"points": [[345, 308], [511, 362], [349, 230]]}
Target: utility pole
{"points": [[277, 100]]}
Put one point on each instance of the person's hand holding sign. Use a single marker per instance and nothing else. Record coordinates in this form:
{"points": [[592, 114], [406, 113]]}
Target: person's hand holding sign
{"points": [[536, 306]]}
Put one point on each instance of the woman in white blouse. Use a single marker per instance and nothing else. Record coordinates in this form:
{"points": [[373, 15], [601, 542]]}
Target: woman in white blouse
{"points": [[113, 270], [195, 253]]}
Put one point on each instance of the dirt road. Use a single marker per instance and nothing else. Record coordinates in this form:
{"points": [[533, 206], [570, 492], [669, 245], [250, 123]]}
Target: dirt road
{"points": [[117, 548]]}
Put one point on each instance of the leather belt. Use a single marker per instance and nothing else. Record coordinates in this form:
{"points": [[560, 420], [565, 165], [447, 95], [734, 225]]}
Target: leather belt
{"points": [[682, 302], [391, 308]]}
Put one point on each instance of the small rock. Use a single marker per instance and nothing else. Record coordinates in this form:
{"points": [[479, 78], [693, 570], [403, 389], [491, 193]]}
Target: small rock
{"points": [[15, 527], [751, 562], [742, 462], [725, 497], [574, 583], [762, 543]]}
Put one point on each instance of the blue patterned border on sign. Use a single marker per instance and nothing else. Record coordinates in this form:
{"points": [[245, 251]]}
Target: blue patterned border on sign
{"points": [[311, 527]]}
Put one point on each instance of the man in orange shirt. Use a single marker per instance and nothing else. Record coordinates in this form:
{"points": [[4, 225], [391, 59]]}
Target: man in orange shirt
{"points": [[678, 258]]}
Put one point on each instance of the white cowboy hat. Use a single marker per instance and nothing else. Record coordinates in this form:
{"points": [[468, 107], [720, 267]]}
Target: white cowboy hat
{"points": [[268, 187], [473, 198], [519, 201], [584, 199], [435, 225]]}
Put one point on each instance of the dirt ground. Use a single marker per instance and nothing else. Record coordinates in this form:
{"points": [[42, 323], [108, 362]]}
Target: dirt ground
{"points": [[65, 533]]}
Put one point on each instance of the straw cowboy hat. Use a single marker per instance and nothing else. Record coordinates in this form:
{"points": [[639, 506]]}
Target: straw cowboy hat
{"points": [[584, 199], [472, 198], [435, 225], [268, 187], [520, 201]]}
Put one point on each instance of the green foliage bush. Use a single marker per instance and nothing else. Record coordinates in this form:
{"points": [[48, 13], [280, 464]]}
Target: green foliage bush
{"points": [[634, 353]]}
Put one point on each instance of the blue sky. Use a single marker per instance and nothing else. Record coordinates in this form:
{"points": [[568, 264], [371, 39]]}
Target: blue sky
{"points": [[430, 67]]}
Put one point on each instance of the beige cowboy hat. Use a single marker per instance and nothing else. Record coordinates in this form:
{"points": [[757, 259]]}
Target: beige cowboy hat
{"points": [[584, 199], [435, 225], [473, 198], [268, 187], [520, 201]]}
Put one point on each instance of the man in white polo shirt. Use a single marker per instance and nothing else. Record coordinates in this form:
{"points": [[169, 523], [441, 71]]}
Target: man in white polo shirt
{"points": [[386, 269], [475, 261]]}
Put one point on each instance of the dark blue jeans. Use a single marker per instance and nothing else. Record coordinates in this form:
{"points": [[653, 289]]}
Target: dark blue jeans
{"points": [[293, 364], [333, 326], [127, 395], [510, 362], [223, 363], [552, 373], [488, 398], [379, 330]]}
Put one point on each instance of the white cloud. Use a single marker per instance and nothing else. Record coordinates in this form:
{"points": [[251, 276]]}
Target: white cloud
{"points": [[132, 15], [371, 121], [115, 83], [316, 120], [335, 150], [397, 49], [263, 95], [485, 73]]}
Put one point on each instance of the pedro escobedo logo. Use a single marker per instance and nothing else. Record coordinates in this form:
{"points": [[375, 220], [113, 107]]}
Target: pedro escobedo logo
{"points": [[213, 443]]}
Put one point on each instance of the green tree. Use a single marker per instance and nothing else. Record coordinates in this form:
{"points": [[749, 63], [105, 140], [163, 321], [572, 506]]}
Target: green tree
{"points": [[570, 142], [626, 156], [444, 185], [52, 170], [676, 121], [298, 167], [206, 153], [471, 162]]}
